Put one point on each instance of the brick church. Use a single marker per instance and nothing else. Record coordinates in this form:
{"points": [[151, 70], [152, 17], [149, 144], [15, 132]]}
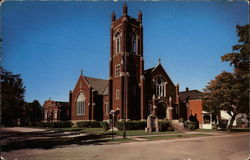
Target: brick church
{"points": [[130, 90]]}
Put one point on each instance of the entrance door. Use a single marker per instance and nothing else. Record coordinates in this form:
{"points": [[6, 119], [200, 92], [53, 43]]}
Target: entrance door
{"points": [[161, 111]]}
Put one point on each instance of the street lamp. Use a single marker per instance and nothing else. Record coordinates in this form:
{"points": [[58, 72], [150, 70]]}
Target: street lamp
{"points": [[113, 117]]}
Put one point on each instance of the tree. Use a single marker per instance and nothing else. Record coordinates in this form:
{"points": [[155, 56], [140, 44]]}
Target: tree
{"points": [[12, 97], [230, 91], [31, 112]]}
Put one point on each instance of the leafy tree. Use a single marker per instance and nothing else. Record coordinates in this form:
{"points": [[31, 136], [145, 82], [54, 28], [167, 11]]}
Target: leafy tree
{"points": [[230, 91], [31, 112], [12, 97]]}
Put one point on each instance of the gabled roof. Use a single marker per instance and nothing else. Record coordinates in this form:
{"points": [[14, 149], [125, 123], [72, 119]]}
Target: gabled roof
{"points": [[97, 84], [148, 70], [106, 90], [190, 95], [151, 70]]}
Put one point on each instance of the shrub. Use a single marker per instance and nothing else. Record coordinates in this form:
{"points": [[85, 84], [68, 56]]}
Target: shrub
{"points": [[164, 125], [94, 124], [238, 122], [132, 125], [83, 124], [88, 124], [63, 124], [191, 125], [223, 123], [104, 125]]}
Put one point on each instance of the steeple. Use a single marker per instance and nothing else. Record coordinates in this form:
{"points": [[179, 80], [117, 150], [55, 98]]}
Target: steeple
{"points": [[159, 61], [139, 16], [113, 17], [125, 9]]}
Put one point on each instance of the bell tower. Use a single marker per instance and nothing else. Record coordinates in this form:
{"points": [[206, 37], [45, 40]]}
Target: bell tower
{"points": [[126, 74]]}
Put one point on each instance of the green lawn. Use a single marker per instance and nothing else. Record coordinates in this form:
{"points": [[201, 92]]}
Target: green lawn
{"points": [[205, 130], [122, 140], [80, 130], [175, 136], [118, 133], [142, 132]]}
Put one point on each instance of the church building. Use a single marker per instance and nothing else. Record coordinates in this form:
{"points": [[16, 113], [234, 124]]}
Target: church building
{"points": [[132, 92]]}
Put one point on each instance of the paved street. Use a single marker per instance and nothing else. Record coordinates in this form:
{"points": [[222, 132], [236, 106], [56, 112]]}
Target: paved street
{"points": [[223, 147]]}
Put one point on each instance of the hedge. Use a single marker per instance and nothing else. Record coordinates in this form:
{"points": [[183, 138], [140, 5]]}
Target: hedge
{"points": [[132, 125], [88, 124], [165, 125], [104, 125], [191, 125], [223, 123]]}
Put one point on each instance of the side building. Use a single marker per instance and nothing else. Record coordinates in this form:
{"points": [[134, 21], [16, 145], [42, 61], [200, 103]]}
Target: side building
{"points": [[192, 106], [55, 111]]}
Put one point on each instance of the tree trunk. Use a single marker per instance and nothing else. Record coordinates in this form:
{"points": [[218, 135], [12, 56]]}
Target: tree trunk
{"points": [[230, 126]]}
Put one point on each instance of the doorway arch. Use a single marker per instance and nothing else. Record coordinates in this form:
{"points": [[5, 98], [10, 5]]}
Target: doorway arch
{"points": [[161, 110]]}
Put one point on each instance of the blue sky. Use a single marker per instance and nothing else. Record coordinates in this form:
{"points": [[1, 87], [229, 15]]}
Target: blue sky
{"points": [[48, 43]]}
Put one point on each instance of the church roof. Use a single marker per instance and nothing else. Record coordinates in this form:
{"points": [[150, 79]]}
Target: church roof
{"points": [[97, 84], [190, 95], [148, 70]]}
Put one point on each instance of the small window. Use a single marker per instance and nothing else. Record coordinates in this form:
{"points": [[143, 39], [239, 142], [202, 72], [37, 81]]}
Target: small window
{"points": [[55, 115], [118, 42], [133, 44], [107, 108], [45, 115], [117, 70], [117, 95]]}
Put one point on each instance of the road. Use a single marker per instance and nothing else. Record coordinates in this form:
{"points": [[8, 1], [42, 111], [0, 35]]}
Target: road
{"points": [[223, 147]]}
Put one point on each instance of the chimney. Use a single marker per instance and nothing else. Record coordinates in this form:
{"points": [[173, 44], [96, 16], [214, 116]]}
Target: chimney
{"points": [[187, 89]]}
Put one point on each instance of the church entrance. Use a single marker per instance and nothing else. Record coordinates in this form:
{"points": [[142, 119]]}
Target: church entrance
{"points": [[161, 110]]}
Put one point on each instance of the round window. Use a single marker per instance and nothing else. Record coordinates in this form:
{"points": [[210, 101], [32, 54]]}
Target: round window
{"points": [[159, 80]]}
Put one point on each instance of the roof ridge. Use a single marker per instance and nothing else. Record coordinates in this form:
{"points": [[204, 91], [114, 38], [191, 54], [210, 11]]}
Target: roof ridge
{"points": [[96, 78]]}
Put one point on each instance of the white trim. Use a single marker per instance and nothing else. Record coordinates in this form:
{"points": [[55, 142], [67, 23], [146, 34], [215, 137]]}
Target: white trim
{"points": [[117, 94], [116, 69]]}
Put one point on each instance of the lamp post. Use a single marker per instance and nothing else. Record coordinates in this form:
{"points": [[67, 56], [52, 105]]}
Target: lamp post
{"points": [[113, 117], [125, 95]]}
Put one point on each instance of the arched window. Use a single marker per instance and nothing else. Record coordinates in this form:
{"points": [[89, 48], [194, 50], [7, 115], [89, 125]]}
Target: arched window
{"points": [[107, 108], [133, 40], [80, 104], [45, 115], [55, 115], [118, 42], [160, 87]]}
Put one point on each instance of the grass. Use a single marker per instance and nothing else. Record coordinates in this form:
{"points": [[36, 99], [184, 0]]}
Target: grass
{"points": [[122, 140], [100, 131], [240, 129], [205, 130], [175, 136], [142, 132], [80, 130]]}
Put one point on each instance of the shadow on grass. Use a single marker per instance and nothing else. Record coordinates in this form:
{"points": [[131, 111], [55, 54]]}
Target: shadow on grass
{"points": [[240, 129], [47, 140]]}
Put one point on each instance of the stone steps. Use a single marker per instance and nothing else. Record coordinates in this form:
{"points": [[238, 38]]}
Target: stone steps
{"points": [[178, 126]]}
